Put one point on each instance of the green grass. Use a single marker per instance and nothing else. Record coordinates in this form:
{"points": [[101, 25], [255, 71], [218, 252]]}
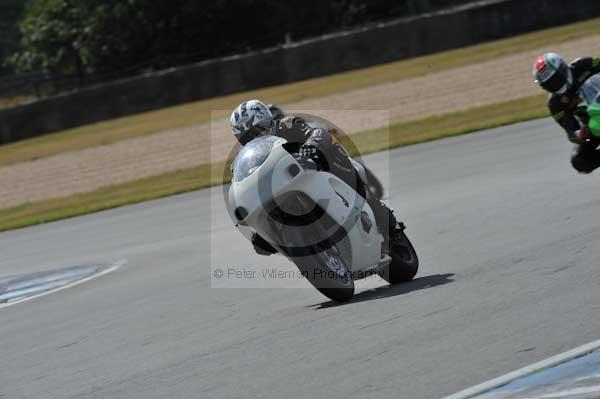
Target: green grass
{"points": [[454, 124], [111, 197], [200, 112], [397, 135]]}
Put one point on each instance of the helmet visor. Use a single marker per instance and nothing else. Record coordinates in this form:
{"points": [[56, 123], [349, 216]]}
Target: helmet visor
{"points": [[558, 81]]}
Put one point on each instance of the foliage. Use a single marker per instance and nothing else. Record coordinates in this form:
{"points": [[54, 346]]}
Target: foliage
{"points": [[104, 37], [10, 10]]}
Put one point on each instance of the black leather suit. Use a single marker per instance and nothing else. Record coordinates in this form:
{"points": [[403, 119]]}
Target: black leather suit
{"points": [[564, 109]]}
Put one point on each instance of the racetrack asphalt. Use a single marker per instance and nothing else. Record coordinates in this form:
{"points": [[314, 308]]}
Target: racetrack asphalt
{"points": [[507, 235]]}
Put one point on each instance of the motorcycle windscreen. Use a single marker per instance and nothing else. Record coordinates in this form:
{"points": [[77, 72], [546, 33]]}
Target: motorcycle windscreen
{"points": [[252, 156]]}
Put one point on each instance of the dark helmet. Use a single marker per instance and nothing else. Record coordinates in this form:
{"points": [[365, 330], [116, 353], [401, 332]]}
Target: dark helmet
{"points": [[552, 73]]}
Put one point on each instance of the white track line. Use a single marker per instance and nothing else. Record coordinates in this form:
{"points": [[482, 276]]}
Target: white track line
{"points": [[525, 371], [109, 269], [571, 392]]}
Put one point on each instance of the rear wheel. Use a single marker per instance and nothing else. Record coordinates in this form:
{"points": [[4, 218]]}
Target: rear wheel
{"points": [[374, 185], [405, 262]]}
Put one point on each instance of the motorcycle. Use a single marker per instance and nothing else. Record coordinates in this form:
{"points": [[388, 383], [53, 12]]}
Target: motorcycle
{"points": [[590, 95], [314, 219]]}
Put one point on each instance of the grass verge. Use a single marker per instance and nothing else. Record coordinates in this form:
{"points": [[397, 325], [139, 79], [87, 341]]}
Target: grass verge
{"points": [[111, 197], [400, 134], [200, 112]]}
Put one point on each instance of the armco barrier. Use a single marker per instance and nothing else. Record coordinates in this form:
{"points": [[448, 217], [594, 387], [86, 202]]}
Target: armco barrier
{"points": [[390, 41]]}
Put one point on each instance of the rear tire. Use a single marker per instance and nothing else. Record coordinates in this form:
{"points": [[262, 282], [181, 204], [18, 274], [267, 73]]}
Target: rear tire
{"points": [[405, 262], [374, 185]]}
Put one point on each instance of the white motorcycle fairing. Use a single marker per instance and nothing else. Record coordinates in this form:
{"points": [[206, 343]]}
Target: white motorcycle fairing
{"points": [[267, 176]]}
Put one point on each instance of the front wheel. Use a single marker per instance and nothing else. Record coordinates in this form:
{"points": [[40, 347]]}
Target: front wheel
{"points": [[405, 262], [312, 247], [328, 274]]}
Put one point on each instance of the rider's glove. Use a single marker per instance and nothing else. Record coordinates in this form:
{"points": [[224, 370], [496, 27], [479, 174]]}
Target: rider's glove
{"points": [[308, 151], [583, 134]]}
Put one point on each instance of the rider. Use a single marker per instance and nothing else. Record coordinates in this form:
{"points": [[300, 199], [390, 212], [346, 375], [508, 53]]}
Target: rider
{"points": [[253, 118], [563, 81], [276, 111]]}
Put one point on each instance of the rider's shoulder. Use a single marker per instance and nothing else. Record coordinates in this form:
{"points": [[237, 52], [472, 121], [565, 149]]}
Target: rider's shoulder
{"points": [[577, 60], [581, 63], [291, 127], [291, 122]]}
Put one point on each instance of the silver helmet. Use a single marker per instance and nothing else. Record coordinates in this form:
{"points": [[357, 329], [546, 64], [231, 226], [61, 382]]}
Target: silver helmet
{"points": [[250, 120]]}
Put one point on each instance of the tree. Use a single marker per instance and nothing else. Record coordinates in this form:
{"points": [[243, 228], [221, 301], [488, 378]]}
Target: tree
{"points": [[73, 36], [113, 38], [10, 11]]}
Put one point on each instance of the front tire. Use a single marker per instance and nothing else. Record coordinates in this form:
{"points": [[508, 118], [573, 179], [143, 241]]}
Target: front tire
{"points": [[328, 274], [319, 262], [405, 262]]}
